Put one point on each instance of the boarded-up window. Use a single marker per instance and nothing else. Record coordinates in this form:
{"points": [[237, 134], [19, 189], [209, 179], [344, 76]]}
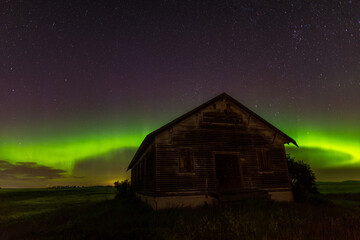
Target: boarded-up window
{"points": [[225, 117], [141, 168], [263, 159], [185, 160], [145, 168], [135, 174], [228, 108], [150, 164]]}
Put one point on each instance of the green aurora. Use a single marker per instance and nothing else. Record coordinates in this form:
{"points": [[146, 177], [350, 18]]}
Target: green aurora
{"points": [[64, 153], [62, 150], [82, 84]]}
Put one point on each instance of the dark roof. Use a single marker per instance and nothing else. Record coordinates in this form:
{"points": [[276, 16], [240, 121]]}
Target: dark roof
{"points": [[150, 137]]}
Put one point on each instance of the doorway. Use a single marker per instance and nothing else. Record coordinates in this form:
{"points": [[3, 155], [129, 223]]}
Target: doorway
{"points": [[228, 173]]}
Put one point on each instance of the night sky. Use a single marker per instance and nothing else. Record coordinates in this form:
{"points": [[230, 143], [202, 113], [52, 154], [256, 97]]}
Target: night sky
{"points": [[83, 82]]}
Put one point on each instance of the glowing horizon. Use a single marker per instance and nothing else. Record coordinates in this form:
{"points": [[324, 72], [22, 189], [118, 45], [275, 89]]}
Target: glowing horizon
{"points": [[62, 152]]}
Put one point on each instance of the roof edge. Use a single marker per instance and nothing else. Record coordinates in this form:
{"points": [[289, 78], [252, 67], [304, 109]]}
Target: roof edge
{"points": [[150, 137]]}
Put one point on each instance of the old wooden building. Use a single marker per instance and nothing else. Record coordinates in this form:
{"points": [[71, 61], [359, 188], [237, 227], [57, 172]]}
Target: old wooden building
{"points": [[220, 150]]}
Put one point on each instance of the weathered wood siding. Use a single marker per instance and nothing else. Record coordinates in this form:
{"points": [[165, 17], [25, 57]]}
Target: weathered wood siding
{"points": [[220, 128], [143, 173]]}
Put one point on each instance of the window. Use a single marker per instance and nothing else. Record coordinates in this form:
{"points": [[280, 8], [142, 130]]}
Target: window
{"points": [[214, 106], [185, 160], [145, 167], [263, 159], [149, 165], [141, 171], [135, 174]]}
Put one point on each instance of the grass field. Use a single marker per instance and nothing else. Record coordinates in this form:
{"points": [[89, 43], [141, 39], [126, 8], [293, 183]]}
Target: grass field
{"points": [[94, 213], [339, 187]]}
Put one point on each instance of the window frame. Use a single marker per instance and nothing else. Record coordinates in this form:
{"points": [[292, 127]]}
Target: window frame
{"points": [[263, 160], [189, 153]]}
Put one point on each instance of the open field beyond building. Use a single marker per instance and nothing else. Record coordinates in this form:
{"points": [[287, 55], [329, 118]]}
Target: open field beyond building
{"points": [[95, 213]]}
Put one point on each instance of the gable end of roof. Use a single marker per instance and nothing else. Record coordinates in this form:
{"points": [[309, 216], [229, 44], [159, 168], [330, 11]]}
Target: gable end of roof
{"points": [[151, 136]]}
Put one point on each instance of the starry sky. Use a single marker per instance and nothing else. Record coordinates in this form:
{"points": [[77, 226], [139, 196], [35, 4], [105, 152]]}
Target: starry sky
{"points": [[82, 82]]}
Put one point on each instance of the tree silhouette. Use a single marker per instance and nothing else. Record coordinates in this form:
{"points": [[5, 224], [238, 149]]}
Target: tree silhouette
{"points": [[123, 188], [303, 180]]}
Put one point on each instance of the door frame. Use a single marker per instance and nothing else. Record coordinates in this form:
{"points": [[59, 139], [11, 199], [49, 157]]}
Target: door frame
{"points": [[238, 155]]}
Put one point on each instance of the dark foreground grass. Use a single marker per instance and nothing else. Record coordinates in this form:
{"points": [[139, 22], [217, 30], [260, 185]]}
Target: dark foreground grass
{"points": [[95, 214]]}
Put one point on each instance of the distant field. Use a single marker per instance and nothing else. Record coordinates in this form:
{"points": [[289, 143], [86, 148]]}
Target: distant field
{"points": [[22, 204], [94, 213], [339, 187]]}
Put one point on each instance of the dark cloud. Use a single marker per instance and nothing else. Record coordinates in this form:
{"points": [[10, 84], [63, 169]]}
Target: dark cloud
{"points": [[111, 165], [29, 171], [103, 170]]}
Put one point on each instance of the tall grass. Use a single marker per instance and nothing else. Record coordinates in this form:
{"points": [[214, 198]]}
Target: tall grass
{"points": [[105, 217]]}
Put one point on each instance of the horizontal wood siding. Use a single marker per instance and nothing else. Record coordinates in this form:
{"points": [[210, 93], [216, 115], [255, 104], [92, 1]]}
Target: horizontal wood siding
{"points": [[242, 137], [170, 180], [144, 184]]}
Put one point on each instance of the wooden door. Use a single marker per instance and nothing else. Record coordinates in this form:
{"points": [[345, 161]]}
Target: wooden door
{"points": [[228, 173]]}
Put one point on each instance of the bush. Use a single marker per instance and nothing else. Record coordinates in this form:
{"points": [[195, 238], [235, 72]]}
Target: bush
{"points": [[303, 180], [123, 188]]}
